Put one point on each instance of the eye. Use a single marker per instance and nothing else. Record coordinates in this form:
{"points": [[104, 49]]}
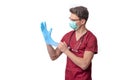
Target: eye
{"points": [[74, 19]]}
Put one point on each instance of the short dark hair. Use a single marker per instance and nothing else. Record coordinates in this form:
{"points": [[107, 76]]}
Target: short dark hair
{"points": [[81, 12]]}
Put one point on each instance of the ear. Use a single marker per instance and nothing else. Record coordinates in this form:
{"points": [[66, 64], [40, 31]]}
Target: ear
{"points": [[83, 21]]}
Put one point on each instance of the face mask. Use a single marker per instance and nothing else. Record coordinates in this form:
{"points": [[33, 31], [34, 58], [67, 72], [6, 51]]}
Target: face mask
{"points": [[73, 25]]}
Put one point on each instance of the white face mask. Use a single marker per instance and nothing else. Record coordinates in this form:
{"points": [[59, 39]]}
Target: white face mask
{"points": [[73, 25]]}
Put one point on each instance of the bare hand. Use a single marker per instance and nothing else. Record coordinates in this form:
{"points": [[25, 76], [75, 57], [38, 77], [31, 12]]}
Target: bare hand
{"points": [[63, 46]]}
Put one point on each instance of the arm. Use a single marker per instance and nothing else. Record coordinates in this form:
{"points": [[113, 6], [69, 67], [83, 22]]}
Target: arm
{"points": [[47, 34], [53, 53], [81, 62]]}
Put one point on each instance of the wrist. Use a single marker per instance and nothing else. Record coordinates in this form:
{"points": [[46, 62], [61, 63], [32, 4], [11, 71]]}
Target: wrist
{"points": [[66, 51]]}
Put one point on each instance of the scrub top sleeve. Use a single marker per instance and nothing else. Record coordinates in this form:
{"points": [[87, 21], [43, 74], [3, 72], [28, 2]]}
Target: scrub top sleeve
{"points": [[92, 45], [66, 37]]}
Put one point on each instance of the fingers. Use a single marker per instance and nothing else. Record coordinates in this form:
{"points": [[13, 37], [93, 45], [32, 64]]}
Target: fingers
{"points": [[64, 43], [43, 26], [62, 46]]}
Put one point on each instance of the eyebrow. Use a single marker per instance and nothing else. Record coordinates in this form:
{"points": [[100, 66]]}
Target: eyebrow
{"points": [[73, 19]]}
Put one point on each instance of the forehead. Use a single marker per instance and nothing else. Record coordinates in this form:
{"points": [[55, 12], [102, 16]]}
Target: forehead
{"points": [[73, 15]]}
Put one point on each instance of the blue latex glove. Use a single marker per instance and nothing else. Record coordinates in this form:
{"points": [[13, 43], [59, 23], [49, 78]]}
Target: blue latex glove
{"points": [[47, 34]]}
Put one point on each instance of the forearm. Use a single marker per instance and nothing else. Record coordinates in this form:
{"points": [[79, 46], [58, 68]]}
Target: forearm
{"points": [[53, 53], [79, 61]]}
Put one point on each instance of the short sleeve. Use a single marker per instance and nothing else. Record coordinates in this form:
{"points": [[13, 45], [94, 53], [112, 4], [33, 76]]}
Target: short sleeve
{"points": [[92, 44]]}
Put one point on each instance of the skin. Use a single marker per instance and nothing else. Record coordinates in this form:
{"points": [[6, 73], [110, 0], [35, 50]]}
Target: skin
{"points": [[82, 62]]}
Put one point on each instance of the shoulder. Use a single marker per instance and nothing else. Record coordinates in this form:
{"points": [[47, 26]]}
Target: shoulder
{"points": [[90, 34], [67, 35], [91, 42]]}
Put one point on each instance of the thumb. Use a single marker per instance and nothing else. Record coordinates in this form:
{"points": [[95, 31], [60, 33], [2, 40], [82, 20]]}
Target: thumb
{"points": [[65, 43], [50, 31]]}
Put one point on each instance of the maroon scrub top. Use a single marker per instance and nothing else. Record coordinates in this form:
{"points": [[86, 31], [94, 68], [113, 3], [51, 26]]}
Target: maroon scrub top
{"points": [[88, 42]]}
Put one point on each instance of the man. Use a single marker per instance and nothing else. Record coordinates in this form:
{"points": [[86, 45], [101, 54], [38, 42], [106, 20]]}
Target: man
{"points": [[79, 45]]}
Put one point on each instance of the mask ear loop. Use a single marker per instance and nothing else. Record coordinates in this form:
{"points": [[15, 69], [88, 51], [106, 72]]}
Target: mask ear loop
{"points": [[70, 39]]}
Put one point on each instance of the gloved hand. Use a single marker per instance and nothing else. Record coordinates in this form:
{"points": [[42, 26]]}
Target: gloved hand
{"points": [[47, 34]]}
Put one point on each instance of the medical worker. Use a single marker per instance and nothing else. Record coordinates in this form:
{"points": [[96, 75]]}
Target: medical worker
{"points": [[79, 45]]}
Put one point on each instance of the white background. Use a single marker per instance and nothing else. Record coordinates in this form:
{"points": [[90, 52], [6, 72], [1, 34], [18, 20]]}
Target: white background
{"points": [[23, 54]]}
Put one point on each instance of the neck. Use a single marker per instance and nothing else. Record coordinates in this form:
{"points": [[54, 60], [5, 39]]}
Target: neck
{"points": [[81, 30]]}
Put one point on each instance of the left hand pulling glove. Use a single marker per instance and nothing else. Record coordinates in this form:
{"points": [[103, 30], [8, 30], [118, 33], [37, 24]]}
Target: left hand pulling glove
{"points": [[47, 34]]}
